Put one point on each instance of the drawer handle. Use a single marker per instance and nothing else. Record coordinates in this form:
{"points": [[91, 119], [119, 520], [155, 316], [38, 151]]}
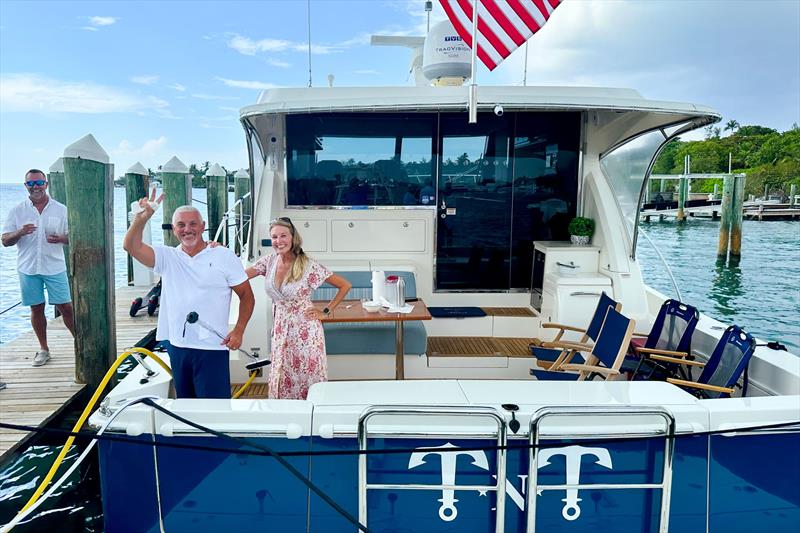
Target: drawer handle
{"points": [[405, 224], [559, 263], [584, 293], [306, 225], [350, 225]]}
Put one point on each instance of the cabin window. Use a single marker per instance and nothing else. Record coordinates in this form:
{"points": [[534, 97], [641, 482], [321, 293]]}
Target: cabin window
{"points": [[360, 159]]}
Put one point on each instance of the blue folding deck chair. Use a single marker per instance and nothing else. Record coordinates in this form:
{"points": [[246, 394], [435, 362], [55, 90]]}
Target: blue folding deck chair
{"points": [[605, 357], [554, 353], [723, 369], [671, 335]]}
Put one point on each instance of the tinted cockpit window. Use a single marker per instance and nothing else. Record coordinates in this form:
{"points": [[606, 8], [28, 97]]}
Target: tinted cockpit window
{"points": [[360, 159]]}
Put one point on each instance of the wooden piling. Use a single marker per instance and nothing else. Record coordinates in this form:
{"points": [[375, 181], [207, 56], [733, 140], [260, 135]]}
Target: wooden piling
{"points": [[58, 191], [177, 187], [241, 187], [137, 181], [90, 184], [217, 196], [737, 215], [792, 194], [725, 216]]}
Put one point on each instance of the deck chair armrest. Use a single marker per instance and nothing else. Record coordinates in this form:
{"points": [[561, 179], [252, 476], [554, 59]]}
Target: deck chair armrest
{"points": [[676, 360], [640, 334], [562, 326], [647, 351], [703, 386], [579, 346], [590, 368]]}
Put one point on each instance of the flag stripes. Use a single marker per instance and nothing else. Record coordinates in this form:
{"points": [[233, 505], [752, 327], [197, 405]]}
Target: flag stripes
{"points": [[503, 25]]}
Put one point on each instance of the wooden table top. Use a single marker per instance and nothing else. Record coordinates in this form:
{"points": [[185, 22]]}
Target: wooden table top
{"points": [[352, 311]]}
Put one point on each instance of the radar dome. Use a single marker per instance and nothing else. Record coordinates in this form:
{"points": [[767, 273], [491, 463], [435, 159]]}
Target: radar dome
{"points": [[445, 54]]}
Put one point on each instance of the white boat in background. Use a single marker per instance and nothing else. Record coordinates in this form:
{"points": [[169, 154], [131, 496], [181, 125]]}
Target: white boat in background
{"points": [[395, 179]]}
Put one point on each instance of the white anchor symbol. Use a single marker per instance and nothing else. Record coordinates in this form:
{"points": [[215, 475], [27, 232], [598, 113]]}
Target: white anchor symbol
{"points": [[573, 454], [448, 511]]}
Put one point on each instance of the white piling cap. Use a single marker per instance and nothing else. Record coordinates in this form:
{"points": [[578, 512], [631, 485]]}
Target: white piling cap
{"points": [[87, 148], [58, 166], [175, 166], [139, 169], [241, 173], [215, 170]]}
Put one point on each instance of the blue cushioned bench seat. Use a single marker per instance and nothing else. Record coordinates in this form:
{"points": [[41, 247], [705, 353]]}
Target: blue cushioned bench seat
{"points": [[365, 338]]}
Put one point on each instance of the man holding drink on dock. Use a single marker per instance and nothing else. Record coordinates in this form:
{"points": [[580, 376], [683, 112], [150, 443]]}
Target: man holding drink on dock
{"points": [[38, 227], [195, 278]]}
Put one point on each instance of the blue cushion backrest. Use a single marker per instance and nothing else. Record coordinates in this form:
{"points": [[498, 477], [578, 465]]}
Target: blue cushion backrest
{"points": [[673, 327], [362, 285], [611, 337], [599, 314], [730, 358]]}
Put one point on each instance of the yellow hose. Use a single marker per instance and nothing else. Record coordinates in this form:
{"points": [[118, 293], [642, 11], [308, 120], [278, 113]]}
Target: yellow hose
{"points": [[79, 424], [247, 383]]}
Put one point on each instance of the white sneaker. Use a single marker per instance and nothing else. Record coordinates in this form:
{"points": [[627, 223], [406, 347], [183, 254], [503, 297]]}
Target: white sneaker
{"points": [[41, 358]]}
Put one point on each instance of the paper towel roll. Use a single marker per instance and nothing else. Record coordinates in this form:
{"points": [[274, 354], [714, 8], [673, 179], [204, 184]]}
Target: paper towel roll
{"points": [[378, 285]]}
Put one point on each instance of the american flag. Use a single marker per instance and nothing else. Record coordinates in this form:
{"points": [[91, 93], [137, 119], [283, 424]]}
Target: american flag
{"points": [[503, 25]]}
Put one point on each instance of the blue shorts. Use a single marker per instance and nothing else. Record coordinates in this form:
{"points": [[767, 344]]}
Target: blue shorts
{"points": [[33, 286], [200, 373]]}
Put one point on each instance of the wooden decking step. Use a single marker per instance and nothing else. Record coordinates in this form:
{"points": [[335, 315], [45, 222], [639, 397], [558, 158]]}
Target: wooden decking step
{"points": [[508, 311], [256, 391], [478, 347]]}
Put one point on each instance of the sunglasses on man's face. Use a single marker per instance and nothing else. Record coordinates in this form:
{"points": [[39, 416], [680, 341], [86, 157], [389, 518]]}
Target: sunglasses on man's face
{"points": [[36, 183]]}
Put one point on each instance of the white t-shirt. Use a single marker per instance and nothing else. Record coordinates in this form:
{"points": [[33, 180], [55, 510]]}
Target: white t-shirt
{"points": [[202, 284], [36, 255]]}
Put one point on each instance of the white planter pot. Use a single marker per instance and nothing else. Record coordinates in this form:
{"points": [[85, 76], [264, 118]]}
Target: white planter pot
{"points": [[581, 240]]}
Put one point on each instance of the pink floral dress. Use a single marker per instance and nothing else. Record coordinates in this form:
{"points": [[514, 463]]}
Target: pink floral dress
{"points": [[298, 343]]}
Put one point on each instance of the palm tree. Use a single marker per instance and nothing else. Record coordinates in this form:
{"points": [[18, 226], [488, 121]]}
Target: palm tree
{"points": [[732, 126]]}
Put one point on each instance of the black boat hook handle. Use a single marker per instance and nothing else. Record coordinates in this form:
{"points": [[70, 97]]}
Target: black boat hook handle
{"points": [[194, 318]]}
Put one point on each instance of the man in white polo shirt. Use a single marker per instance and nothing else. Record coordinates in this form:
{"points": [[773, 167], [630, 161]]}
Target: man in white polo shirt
{"points": [[194, 277], [38, 227]]}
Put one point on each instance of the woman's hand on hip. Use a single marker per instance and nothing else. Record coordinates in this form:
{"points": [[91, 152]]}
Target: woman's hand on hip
{"points": [[312, 313]]}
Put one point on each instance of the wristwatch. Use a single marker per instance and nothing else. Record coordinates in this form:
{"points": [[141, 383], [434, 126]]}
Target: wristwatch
{"points": [[326, 311]]}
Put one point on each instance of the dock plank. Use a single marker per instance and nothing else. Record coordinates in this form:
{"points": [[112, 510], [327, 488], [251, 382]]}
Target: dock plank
{"points": [[36, 395]]}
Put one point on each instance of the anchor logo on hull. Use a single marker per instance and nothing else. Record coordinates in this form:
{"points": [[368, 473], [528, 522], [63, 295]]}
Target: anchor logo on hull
{"points": [[573, 456]]}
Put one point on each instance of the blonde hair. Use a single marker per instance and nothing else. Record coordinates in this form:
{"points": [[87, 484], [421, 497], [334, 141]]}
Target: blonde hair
{"points": [[300, 257]]}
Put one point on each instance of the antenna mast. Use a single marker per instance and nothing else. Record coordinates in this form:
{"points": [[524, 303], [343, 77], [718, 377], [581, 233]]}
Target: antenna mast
{"points": [[309, 42]]}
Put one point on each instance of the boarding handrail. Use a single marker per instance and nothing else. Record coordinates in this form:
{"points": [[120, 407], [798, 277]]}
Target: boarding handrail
{"points": [[240, 217], [421, 410], [534, 437]]}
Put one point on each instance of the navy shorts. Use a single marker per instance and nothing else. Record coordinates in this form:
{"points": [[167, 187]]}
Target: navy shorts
{"points": [[200, 373]]}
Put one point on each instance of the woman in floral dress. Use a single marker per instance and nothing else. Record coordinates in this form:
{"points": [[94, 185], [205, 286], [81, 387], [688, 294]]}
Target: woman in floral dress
{"points": [[298, 342]]}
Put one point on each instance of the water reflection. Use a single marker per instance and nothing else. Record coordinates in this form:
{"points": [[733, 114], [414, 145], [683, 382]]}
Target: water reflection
{"points": [[726, 288]]}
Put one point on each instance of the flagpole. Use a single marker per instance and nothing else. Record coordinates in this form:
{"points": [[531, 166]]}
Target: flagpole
{"points": [[473, 87]]}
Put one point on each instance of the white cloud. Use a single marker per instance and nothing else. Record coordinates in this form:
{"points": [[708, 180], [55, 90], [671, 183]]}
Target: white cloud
{"points": [[146, 79], [202, 96], [149, 148], [228, 108], [366, 71], [37, 94], [244, 84], [102, 21], [278, 63], [89, 28], [250, 47], [177, 86]]}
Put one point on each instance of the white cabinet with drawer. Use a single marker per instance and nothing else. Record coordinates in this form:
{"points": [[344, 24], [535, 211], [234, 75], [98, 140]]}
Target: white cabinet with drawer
{"points": [[315, 234], [572, 299]]}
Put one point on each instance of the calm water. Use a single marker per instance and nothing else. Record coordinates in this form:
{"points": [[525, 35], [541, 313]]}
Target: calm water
{"points": [[761, 293]]}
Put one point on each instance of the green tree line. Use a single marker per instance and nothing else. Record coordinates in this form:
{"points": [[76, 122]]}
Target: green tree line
{"points": [[198, 173], [769, 158]]}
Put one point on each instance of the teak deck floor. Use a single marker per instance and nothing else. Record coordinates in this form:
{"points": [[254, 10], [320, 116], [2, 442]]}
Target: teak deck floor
{"points": [[478, 347], [34, 396]]}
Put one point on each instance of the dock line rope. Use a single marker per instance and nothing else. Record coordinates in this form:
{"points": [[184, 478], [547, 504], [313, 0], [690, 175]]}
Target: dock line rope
{"points": [[791, 425], [292, 470], [10, 308]]}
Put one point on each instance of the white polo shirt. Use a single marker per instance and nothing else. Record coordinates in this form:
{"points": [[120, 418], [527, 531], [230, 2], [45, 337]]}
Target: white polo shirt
{"points": [[202, 284], [36, 255]]}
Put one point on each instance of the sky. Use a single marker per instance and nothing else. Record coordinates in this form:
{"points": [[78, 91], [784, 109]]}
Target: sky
{"points": [[155, 79]]}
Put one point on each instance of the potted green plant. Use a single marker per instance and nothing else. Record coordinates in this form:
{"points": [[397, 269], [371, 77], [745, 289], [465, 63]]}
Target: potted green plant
{"points": [[581, 230]]}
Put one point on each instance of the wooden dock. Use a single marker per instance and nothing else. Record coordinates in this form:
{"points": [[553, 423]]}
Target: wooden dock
{"points": [[36, 395], [751, 211]]}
